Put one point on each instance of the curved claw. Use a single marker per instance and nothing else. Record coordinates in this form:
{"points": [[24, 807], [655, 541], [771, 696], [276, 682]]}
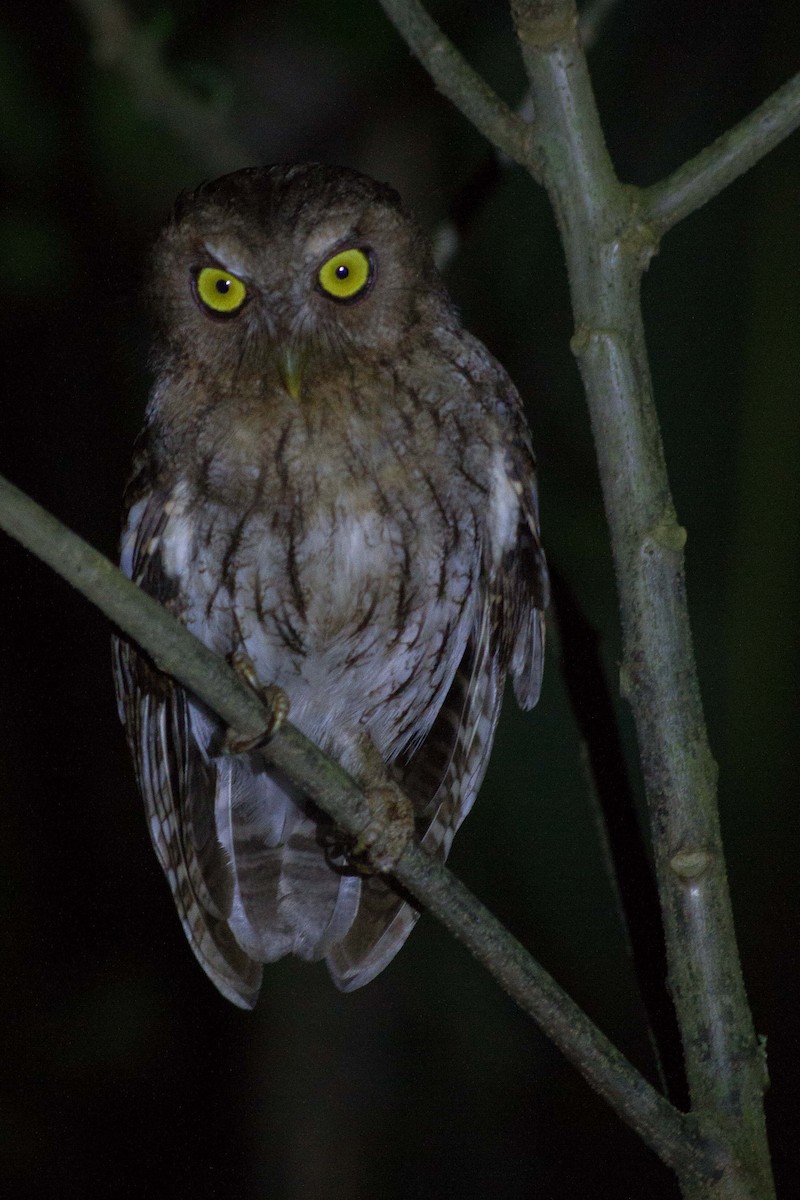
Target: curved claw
{"points": [[274, 698], [389, 829]]}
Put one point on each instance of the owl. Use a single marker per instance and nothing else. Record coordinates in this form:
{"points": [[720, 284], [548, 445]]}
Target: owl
{"points": [[335, 485]]}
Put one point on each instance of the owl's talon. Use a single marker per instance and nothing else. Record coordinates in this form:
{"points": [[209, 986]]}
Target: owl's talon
{"points": [[389, 829], [272, 697]]}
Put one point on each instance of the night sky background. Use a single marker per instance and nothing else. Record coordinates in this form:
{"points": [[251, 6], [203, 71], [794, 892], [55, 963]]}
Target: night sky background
{"points": [[122, 1072]]}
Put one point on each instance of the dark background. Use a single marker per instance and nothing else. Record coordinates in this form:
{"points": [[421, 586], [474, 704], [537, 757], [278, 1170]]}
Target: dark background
{"points": [[123, 1072]]}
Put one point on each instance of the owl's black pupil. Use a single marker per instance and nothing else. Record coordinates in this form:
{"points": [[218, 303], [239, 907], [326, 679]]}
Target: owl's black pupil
{"points": [[223, 286], [342, 272]]}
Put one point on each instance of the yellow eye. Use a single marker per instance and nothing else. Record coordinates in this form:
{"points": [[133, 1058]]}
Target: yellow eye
{"points": [[220, 291], [345, 276]]}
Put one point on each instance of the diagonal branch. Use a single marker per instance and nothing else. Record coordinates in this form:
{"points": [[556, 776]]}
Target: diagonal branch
{"points": [[180, 654], [457, 80], [705, 175], [135, 53]]}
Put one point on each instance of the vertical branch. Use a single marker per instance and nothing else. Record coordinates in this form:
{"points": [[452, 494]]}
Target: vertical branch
{"points": [[619, 833], [608, 244], [606, 253]]}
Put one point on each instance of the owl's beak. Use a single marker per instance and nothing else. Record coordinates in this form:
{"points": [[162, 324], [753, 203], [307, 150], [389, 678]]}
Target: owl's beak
{"points": [[290, 365]]}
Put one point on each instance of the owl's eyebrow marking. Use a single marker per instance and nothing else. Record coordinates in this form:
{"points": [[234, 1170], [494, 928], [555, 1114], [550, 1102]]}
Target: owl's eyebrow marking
{"points": [[226, 259], [329, 240]]}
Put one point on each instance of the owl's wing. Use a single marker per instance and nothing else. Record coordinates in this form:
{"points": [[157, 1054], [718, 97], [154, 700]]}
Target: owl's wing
{"points": [[443, 776], [519, 582], [177, 780]]}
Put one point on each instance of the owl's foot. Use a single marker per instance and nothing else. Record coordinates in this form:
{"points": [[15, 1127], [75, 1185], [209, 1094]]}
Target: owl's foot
{"points": [[272, 697], [390, 827]]}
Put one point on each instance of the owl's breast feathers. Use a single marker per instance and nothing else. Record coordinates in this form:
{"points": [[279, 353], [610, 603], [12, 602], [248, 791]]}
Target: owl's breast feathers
{"points": [[385, 571], [350, 579]]}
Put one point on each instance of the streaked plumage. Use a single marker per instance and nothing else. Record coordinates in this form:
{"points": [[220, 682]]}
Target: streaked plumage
{"points": [[343, 491]]}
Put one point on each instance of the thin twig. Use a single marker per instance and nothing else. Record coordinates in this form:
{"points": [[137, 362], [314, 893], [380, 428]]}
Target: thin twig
{"points": [[703, 177], [135, 54], [457, 80], [180, 654], [472, 194]]}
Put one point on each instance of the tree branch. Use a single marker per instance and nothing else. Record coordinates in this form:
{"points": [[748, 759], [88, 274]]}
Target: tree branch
{"points": [[474, 190], [619, 832], [703, 177], [177, 652], [606, 254], [457, 80], [135, 53]]}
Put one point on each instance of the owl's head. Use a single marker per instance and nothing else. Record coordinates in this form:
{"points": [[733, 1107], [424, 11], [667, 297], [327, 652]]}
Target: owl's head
{"points": [[290, 267]]}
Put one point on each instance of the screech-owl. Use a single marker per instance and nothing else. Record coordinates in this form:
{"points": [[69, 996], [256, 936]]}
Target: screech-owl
{"points": [[335, 480]]}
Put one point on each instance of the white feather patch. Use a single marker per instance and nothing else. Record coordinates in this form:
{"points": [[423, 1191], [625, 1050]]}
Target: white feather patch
{"points": [[503, 507], [177, 539]]}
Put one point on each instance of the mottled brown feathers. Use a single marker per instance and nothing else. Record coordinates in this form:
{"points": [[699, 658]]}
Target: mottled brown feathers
{"points": [[344, 493]]}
